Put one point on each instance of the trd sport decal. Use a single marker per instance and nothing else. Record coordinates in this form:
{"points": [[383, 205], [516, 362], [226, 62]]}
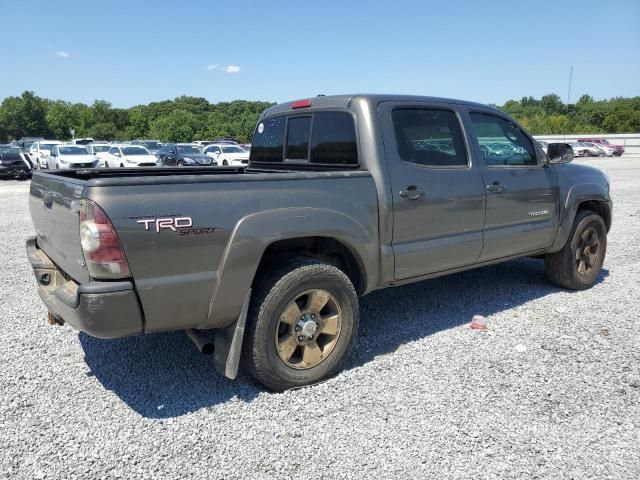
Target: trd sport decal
{"points": [[181, 225]]}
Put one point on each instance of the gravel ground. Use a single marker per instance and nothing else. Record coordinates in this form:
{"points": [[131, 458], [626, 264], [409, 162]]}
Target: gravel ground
{"points": [[551, 390]]}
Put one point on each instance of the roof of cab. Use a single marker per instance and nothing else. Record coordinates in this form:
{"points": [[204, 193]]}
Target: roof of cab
{"points": [[343, 101]]}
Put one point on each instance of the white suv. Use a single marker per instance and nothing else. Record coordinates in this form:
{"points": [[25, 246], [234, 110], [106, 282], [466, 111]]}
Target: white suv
{"points": [[39, 152], [226, 154]]}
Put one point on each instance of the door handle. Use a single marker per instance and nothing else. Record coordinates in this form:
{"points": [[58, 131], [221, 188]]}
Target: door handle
{"points": [[496, 187], [412, 192]]}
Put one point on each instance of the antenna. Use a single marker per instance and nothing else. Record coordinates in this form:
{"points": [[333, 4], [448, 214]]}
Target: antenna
{"points": [[570, 78]]}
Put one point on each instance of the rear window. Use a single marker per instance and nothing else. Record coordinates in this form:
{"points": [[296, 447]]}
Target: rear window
{"points": [[334, 139], [268, 140], [327, 138], [298, 138]]}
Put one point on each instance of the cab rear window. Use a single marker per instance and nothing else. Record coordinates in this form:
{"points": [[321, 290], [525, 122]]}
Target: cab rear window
{"points": [[321, 138]]}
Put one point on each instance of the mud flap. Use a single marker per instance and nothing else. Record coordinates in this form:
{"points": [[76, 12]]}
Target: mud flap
{"points": [[228, 344]]}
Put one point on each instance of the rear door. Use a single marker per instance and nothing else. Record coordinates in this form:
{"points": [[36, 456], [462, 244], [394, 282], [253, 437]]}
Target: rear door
{"points": [[522, 192], [438, 193]]}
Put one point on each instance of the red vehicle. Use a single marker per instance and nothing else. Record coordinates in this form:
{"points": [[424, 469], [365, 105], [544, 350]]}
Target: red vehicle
{"points": [[619, 149]]}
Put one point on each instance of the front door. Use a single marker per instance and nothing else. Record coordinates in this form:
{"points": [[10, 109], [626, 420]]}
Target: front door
{"points": [[522, 193], [438, 194]]}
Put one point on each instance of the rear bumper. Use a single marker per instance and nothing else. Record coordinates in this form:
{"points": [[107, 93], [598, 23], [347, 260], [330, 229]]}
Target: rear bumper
{"points": [[100, 309]]}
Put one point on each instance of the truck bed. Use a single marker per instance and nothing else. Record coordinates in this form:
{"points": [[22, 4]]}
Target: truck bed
{"points": [[233, 212]]}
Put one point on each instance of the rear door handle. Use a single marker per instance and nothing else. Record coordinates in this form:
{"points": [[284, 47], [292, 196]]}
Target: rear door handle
{"points": [[496, 187], [412, 192]]}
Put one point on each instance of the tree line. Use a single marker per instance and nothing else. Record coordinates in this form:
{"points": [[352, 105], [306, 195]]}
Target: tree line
{"points": [[186, 118]]}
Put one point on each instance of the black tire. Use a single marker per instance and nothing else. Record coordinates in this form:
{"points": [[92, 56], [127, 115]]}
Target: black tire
{"points": [[272, 293], [122, 165], [106, 165], [225, 163], [562, 267]]}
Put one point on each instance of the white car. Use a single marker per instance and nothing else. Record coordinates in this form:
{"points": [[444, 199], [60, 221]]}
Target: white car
{"points": [[579, 150], [71, 156], [100, 150], [129, 156], [228, 155], [40, 150]]}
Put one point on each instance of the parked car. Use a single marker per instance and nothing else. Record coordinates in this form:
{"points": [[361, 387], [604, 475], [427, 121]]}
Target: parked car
{"points": [[25, 144], [183, 155], [14, 163], [71, 156], [580, 150], [594, 149], [273, 260], [618, 150], [228, 154], [129, 156], [100, 150], [82, 141], [40, 150], [152, 145]]}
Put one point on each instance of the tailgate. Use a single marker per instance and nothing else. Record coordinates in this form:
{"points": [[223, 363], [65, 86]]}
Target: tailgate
{"points": [[54, 203]]}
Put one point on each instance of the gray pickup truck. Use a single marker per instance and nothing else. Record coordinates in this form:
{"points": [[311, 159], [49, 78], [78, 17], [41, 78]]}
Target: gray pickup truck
{"points": [[343, 195]]}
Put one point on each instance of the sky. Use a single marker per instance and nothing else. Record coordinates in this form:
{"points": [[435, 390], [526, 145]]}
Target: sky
{"points": [[134, 52]]}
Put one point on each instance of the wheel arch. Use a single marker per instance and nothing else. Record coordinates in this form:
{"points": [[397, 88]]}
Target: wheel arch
{"points": [[260, 239], [592, 197]]}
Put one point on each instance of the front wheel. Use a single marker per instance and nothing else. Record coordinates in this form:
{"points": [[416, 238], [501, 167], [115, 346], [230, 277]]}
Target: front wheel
{"points": [[301, 324], [180, 163], [225, 163], [578, 264]]}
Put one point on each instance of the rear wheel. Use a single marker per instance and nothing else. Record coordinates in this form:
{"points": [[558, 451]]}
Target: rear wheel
{"points": [[301, 324], [225, 163], [578, 264]]}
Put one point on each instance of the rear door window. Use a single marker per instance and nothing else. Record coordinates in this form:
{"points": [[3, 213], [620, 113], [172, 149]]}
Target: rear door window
{"points": [[429, 137]]}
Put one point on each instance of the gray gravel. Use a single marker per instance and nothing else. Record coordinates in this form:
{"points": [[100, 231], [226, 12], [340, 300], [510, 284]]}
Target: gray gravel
{"points": [[551, 390]]}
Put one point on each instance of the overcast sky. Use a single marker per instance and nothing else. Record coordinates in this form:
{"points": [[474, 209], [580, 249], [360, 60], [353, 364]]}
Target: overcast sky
{"points": [[131, 52]]}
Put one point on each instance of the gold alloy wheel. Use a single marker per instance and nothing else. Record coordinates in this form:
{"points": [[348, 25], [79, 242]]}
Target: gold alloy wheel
{"points": [[308, 329], [587, 252]]}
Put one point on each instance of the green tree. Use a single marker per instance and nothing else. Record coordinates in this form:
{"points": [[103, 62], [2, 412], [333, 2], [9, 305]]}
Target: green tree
{"points": [[177, 126], [23, 116]]}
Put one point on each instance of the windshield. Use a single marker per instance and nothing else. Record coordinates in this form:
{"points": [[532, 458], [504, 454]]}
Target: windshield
{"points": [[134, 151], [47, 146], [153, 145], [100, 148], [73, 151], [232, 150], [188, 149]]}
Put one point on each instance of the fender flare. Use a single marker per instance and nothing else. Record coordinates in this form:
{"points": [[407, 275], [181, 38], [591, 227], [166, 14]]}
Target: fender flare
{"points": [[254, 233], [577, 195]]}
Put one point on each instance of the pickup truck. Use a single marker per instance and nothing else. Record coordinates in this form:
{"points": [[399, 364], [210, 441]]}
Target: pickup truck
{"points": [[263, 266]]}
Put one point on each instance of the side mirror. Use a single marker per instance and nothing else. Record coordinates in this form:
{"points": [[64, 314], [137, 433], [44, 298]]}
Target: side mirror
{"points": [[559, 153]]}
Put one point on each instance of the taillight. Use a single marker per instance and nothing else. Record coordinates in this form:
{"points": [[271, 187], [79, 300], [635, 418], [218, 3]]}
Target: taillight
{"points": [[102, 250]]}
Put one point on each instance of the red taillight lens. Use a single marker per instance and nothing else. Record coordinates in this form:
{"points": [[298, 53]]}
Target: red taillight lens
{"points": [[301, 104], [102, 250]]}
